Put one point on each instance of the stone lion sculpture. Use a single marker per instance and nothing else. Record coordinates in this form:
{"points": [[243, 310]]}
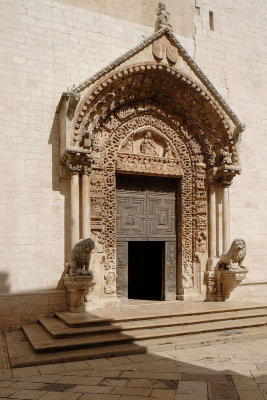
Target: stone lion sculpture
{"points": [[235, 255], [80, 258]]}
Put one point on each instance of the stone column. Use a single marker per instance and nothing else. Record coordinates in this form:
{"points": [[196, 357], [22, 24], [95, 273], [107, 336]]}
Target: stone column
{"points": [[225, 218], [86, 219], [74, 200], [212, 221]]}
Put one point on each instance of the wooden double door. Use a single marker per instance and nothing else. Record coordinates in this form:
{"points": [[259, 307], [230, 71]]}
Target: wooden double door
{"points": [[146, 237]]}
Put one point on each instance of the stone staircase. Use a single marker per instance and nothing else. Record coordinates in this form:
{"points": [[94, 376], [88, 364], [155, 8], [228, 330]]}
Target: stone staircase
{"points": [[133, 329]]}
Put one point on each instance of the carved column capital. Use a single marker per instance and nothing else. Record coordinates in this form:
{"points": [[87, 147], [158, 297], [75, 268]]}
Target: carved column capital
{"points": [[75, 169], [77, 162], [222, 175]]}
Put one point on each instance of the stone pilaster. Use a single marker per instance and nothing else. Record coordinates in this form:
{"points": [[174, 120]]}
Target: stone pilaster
{"points": [[86, 203]]}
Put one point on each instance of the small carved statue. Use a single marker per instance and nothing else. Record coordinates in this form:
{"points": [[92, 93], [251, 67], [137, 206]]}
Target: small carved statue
{"points": [[226, 156], [147, 146], [86, 141], [168, 151], [162, 17], [110, 280], [187, 276], [211, 285], [233, 259], [201, 242], [80, 258], [128, 147]]}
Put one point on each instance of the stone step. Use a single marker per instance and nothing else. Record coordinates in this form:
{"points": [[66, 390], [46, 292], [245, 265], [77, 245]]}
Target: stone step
{"points": [[22, 354], [58, 329], [42, 341], [159, 310]]}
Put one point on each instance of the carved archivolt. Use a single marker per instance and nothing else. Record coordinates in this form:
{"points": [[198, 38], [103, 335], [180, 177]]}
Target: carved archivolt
{"points": [[178, 95]]}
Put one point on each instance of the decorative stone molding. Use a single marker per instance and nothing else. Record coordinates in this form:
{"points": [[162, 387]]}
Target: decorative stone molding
{"points": [[148, 165], [186, 57]]}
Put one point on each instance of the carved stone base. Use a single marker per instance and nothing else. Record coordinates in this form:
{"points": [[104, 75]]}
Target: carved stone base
{"points": [[220, 284], [77, 287], [230, 279]]}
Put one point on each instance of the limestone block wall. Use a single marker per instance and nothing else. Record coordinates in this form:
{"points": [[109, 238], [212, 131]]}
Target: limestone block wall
{"points": [[234, 57], [49, 45]]}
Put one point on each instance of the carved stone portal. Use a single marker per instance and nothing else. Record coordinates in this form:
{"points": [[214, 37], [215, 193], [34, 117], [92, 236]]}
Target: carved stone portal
{"points": [[152, 112]]}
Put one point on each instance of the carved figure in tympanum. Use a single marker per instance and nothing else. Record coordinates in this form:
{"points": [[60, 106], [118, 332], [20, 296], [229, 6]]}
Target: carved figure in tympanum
{"points": [[147, 146]]}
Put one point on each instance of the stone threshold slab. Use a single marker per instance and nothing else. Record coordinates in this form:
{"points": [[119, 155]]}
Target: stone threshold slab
{"points": [[42, 341], [58, 329]]}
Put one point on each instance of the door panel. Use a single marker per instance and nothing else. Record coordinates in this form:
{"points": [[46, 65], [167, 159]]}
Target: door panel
{"points": [[170, 270], [131, 215], [160, 215], [146, 211], [122, 269]]}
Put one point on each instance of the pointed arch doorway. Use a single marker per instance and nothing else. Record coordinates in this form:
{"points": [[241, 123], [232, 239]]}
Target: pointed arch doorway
{"points": [[149, 113]]}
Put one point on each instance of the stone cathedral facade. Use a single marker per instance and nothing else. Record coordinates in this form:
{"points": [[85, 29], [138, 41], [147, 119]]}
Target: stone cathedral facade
{"points": [[141, 126]]}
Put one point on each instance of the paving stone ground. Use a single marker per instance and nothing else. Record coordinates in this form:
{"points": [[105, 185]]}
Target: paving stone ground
{"points": [[232, 371]]}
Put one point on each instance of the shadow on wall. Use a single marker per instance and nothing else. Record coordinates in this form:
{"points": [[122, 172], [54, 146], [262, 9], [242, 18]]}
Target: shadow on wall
{"points": [[61, 185], [4, 286], [27, 306]]}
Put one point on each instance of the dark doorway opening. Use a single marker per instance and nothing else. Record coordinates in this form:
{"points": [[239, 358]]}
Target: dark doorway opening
{"points": [[146, 270]]}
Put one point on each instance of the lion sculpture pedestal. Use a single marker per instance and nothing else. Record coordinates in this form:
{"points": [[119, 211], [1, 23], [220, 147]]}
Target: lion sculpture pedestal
{"points": [[77, 287], [79, 279], [228, 273]]}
